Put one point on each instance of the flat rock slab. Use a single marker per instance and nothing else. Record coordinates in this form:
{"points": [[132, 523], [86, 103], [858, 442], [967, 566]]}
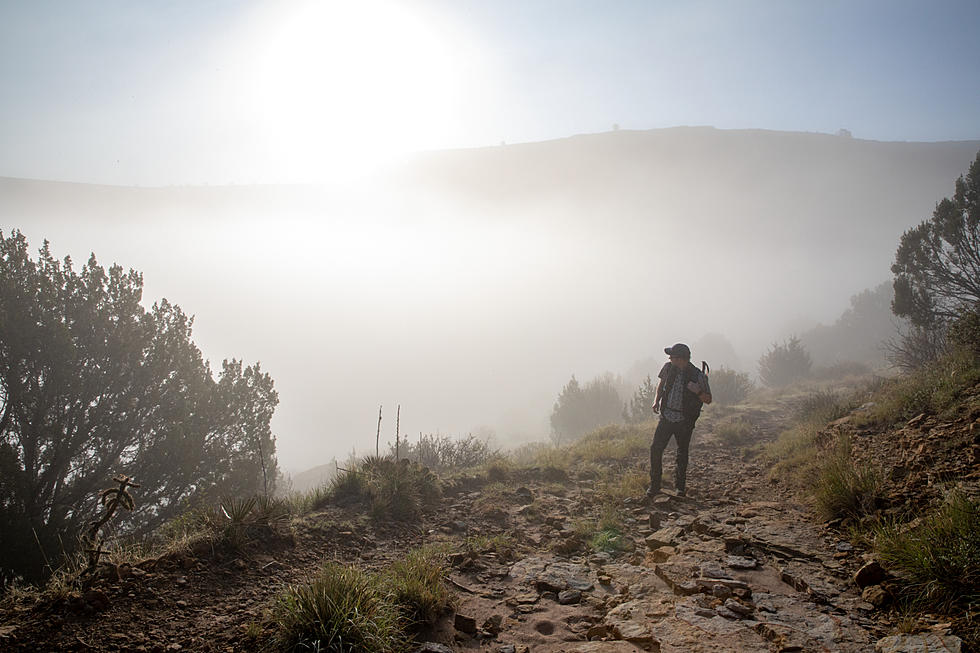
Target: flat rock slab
{"points": [[552, 576], [664, 537], [920, 643], [605, 647]]}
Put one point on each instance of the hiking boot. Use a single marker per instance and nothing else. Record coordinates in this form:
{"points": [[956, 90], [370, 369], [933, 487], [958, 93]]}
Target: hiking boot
{"points": [[652, 491], [682, 492]]}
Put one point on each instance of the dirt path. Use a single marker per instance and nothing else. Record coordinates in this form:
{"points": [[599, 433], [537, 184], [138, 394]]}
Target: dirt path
{"points": [[733, 567]]}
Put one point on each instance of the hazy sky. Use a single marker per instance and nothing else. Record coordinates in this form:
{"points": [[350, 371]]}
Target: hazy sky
{"points": [[238, 91]]}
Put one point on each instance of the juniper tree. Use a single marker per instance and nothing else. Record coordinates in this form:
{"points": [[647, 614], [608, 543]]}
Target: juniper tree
{"points": [[92, 384], [937, 265]]}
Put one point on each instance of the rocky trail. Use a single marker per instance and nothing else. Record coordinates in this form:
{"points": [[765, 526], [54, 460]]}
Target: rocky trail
{"points": [[735, 566]]}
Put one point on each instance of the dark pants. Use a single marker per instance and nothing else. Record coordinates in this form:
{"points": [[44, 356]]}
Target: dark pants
{"points": [[682, 431]]}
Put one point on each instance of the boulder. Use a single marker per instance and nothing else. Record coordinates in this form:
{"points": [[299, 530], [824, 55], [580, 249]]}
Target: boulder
{"points": [[870, 574], [465, 624], [569, 597], [876, 595]]}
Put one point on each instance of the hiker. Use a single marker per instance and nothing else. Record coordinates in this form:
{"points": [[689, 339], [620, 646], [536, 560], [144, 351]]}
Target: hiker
{"points": [[682, 391]]}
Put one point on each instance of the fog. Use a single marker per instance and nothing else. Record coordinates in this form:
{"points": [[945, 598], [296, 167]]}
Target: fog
{"points": [[469, 285]]}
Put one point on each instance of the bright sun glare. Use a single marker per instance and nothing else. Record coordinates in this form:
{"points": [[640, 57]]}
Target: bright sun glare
{"points": [[336, 88]]}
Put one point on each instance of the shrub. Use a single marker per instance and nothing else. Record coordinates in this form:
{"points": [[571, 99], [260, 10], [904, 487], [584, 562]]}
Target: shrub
{"points": [[389, 489], [735, 432], [939, 560], [821, 407], [916, 347], [445, 453], [845, 487], [640, 407], [348, 486], [417, 587], [931, 389], [785, 363], [729, 387], [580, 410], [841, 370], [341, 609]]}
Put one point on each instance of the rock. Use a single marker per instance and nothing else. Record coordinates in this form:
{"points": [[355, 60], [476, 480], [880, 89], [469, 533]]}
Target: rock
{"points": [[920, 643], [721, 592], [634, 632], [678, 577], [465, 624], [549, 596], [712, 570], [492, 624], [607, 647], [722, 611], [664, 537], [507, 648], [597, 632], [793, 580], [662, 554], [569, 597], [741, 562], [740, 608], [786, 638], [870, 574], [433, 647], [844, 547], [707, 585], [524, 494], [876, 595]]}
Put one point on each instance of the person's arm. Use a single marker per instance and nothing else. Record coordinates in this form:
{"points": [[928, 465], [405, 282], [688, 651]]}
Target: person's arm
{"points": [[660, 395], [702, 390]]}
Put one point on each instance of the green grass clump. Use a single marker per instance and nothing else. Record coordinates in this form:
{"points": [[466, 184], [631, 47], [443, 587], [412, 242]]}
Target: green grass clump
{"points": [[931, 390], [735, 432], [608, 536], [347, 610], [342, 609], [795, 456], [417, 587], [846, 487], [502, 545], [234, 523], [388, 489], [939, 559], [619, 487], [822, 407], [608, 540]]}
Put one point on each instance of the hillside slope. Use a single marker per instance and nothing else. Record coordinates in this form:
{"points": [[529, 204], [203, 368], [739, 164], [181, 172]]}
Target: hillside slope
{"points": [[738, 566]]}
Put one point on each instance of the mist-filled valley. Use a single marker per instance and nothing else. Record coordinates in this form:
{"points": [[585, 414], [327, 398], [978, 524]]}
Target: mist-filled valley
{"points": [[467, 286]]}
